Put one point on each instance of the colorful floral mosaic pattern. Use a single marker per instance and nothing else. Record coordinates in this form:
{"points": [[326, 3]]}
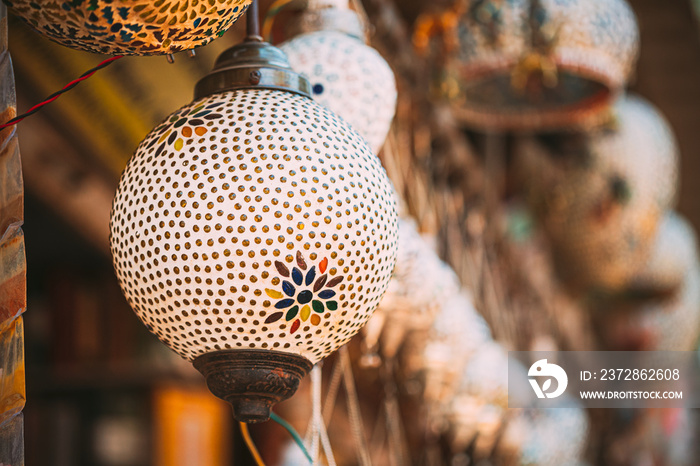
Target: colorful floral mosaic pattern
{"points": [[307, 296], [183, 126], [124, 27]]}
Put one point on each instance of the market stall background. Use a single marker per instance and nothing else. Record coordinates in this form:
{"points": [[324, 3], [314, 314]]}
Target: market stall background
{"points": [[97, 381]]}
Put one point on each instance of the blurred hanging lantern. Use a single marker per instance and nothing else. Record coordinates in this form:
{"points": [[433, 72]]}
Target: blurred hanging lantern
{"points": [[601, 195], [662, 324], [346, 75], [661, 311], [254, 232], [477, 410], [486, 375], [127, 27], [674, 253], [546, 437], [478, 418], [541, 64], [421, 283], [457, 333]]}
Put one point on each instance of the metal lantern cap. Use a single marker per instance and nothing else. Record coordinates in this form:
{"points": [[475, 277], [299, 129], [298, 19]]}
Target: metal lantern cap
{"points": [[252, 64]]}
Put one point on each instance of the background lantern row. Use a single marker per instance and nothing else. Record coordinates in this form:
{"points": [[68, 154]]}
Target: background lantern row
{"points": [[602, 195]]}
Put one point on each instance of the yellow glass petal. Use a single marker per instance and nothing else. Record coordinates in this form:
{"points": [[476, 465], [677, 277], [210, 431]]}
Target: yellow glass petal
{"points": [[273, 294], [305, 312], [178, 144]]}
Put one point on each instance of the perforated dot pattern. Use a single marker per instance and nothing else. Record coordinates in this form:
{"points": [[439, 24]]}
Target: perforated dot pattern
{"points": [[130, 27], [599, 36], [348, 77], [254, 219]]}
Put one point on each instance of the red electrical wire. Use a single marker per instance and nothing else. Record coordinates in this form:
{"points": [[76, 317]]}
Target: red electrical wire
{"points": [[57, 94]]}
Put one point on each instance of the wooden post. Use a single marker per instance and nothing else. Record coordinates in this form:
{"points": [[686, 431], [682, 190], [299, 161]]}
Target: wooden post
{"points": [[13, 295]]}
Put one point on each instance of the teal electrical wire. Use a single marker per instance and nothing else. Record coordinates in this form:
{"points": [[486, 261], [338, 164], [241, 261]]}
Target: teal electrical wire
{"points": [[293, 433]]}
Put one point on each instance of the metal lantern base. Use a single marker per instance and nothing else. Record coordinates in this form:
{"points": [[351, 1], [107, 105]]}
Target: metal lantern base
{"points": [[252, 381], [574, 101]]}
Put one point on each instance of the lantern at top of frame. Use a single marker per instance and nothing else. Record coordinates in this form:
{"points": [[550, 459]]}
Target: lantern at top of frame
{"points": [[541, 64], [347, 76], [122, 27]]}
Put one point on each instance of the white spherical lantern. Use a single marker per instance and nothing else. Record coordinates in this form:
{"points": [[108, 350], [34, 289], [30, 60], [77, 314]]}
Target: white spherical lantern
{"points": [[128, 27], [420, 285], [674, 252], [601, 195], [457, 333], [546, 437], [254, 232], [349, 77]]}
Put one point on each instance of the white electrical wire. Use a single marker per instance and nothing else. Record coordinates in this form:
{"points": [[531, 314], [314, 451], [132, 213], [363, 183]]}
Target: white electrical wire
{"points": [[326, 443], [356, 426], [319, 427], [314, 431]]}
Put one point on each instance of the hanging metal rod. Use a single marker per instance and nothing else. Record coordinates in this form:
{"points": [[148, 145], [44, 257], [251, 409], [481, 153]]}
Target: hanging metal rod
{"points": [[253, 22]]}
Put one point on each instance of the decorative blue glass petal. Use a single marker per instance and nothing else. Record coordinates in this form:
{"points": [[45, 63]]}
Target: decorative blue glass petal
{"points": [[297, 276], [288, 289], [285, 303], [326, 294], [310, 275]]}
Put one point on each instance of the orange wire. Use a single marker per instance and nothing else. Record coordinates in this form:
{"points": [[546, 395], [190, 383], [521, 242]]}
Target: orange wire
{"points": [[251, 446]]}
